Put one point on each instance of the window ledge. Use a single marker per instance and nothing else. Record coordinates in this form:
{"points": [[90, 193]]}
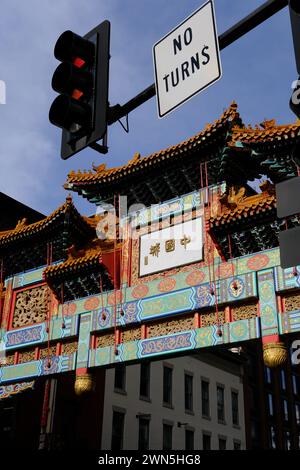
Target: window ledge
{"points": [[168, 405], [206, 417], [147, 399], [120, 391]]}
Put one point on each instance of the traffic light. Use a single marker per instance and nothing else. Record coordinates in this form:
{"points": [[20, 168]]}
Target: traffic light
{"points": [[288, 204], [294, 7], [81, 80]]}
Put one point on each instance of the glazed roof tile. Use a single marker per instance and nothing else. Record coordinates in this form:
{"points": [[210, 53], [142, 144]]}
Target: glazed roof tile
{"points": [[267, 132], [249, 206], [103, 174], [73, 264], [23, 230]]}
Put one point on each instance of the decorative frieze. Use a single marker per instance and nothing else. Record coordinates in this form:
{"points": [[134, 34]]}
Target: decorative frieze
{"points": [[244, 311], [31, 306], [69, 347], [292, 302], [131, 334], [45, 353], [210, 318], [105, 340], [166, 327], [6, 359], [26, 355]]}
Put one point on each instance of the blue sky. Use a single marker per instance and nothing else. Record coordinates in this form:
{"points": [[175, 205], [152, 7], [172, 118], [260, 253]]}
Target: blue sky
{"points": [[257, 72]]}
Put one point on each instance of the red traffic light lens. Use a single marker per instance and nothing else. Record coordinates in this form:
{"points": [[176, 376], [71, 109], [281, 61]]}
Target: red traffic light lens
{"points": [[70, 114], [68, 77]]}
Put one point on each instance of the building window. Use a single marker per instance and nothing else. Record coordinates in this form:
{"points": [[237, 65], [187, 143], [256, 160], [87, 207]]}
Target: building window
{"points": [[287, 440], [285, 410], [272, 437], [236, 445], [220, 404], [270, 403], [167, 436], [188, 392], [167, 385], [117, 430], [120, 377], [189, 439], [206, 441], [144, 425], [282, 380], [145, 380], [295, 381], [222, 443], [235, 408], [7, 423], [205, 398], [297, 412], [255, 433], [268, 373]]}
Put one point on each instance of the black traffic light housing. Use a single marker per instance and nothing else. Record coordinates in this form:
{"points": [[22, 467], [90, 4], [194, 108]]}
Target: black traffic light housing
{"points": [[82, 81], [294, 7]]}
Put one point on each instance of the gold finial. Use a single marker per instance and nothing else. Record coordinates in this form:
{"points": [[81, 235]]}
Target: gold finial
{"points": [[275, 354], [268, 123], [84, 384], [99, 168], [21, 223]]}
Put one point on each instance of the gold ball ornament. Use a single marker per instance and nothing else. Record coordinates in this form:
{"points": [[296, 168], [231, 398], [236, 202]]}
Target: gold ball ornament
{"points": [[275, 354], [84, 384]]}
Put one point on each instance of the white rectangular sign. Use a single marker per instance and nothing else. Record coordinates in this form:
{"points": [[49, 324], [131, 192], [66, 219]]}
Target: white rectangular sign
{"points": [[171, 247], [187, 59]]}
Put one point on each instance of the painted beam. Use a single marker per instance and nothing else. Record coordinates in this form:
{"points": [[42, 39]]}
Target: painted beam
{"points": [[59, 364]]}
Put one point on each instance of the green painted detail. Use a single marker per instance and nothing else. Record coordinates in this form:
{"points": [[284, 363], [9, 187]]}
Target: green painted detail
{"points": [[20, 371], [104, 356], [168, 303], [268, 303], [129, 351], [84, 340], [204, 337]]}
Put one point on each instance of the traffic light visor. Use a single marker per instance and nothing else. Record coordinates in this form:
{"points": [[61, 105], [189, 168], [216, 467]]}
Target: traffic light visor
{"points": [[70, 114], [67, 78], [70, 46]]}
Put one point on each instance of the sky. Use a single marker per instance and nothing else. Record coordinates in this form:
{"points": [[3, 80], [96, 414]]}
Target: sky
{"points": [[258, 70]]}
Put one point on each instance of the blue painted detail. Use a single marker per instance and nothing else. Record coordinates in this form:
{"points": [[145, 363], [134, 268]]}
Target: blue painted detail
{"points": [[130, 310], [54, 365], [25, 336], [182, 341], [202, 296], [139, 309], [100, 323], [286, 278]]}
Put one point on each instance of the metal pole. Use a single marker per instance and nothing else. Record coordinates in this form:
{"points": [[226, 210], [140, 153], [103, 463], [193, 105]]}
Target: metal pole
{"points": [[258, 16]]}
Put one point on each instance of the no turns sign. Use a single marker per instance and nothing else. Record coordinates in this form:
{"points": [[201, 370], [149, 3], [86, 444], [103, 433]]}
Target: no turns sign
{"points": [[187, 59]]}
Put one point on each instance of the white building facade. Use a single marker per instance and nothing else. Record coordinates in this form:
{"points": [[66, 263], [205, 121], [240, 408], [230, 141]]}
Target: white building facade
{"points": [[191, 402]]}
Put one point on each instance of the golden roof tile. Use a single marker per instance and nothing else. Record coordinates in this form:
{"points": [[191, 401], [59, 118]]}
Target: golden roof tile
{"points": [[103, 174], [235, 204], [23, 230]]}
